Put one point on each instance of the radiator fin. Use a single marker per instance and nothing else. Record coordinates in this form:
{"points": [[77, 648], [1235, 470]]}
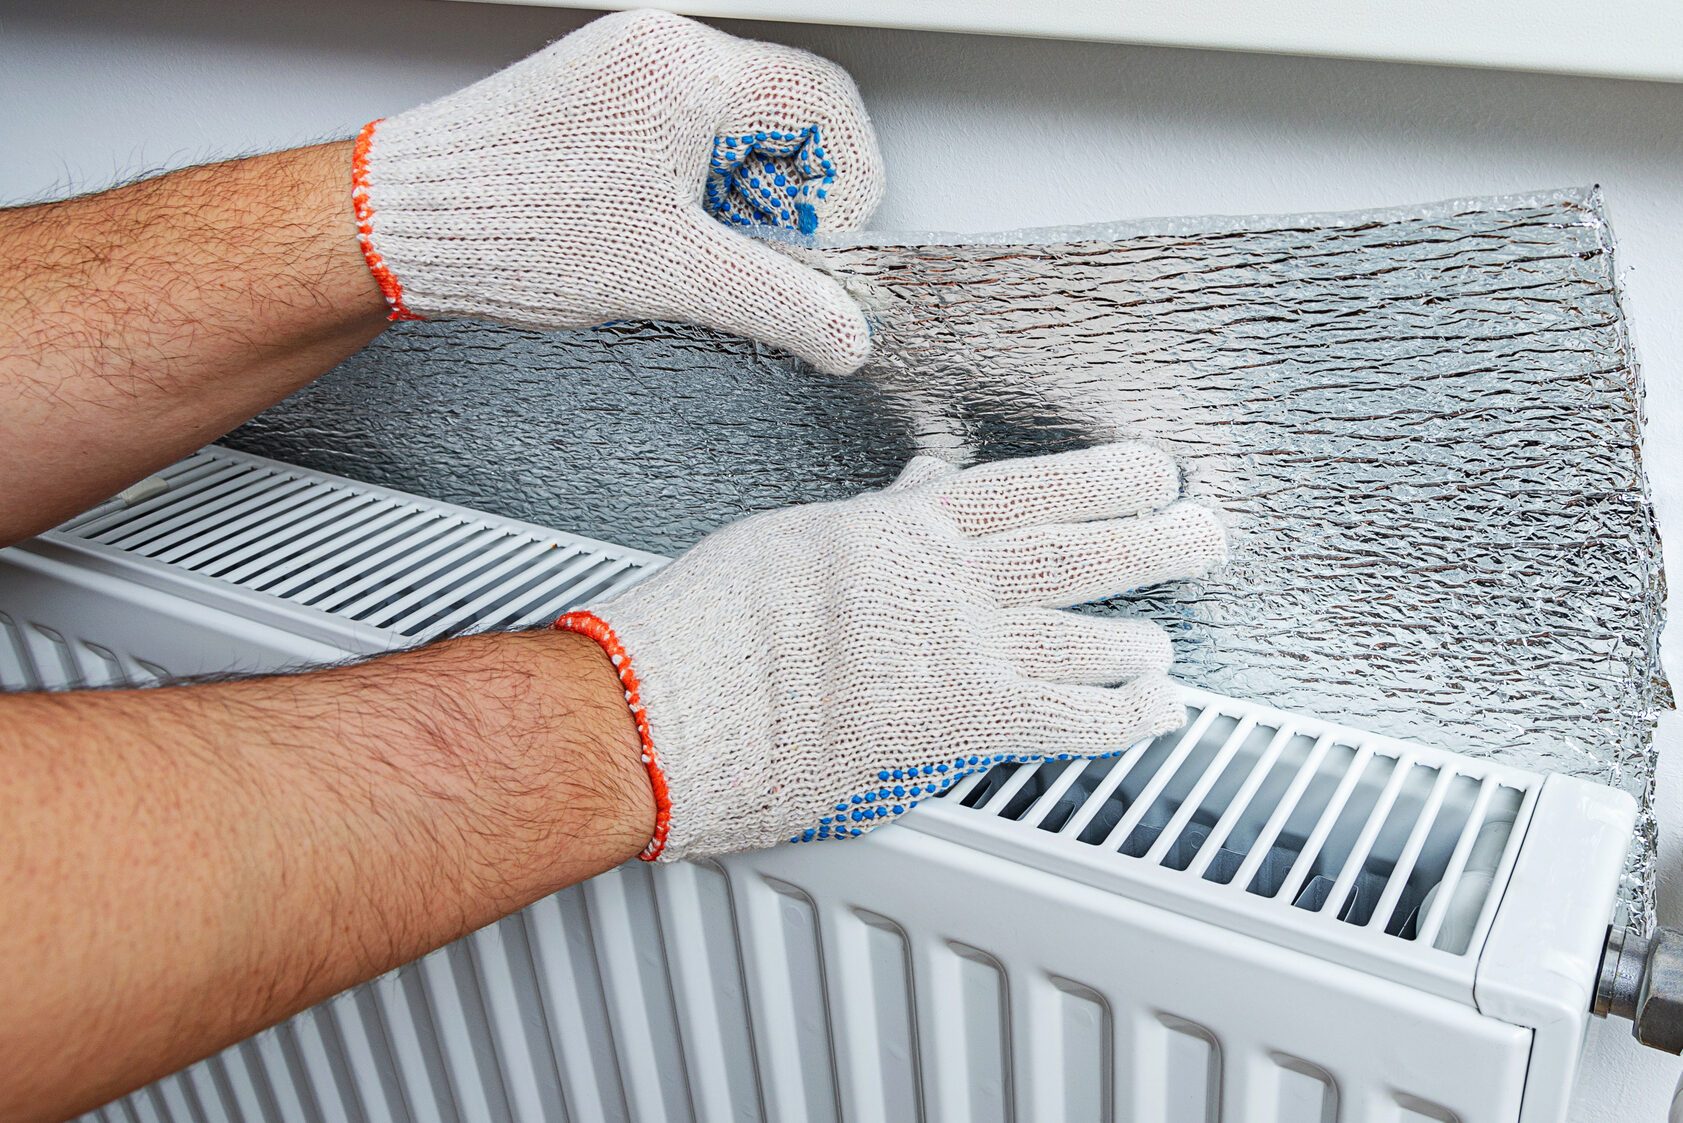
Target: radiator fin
{"points": [[1082, 1052], [889, 1054], [1303, 1092], [1191, 1072]]}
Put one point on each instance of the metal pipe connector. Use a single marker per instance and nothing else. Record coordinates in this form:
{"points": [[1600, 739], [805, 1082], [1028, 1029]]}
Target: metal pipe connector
{"points": [[1642, 979]]}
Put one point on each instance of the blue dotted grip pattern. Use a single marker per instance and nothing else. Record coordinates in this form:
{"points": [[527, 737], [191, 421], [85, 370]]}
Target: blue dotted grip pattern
{"points": [[903, 788], [769, 178]]}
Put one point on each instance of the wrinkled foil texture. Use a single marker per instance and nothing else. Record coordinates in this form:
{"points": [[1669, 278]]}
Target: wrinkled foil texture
{"points": [[1423, 424]]}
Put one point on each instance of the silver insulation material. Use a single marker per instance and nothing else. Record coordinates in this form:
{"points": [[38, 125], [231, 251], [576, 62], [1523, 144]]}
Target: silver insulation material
{"points": [[1423, 424]]}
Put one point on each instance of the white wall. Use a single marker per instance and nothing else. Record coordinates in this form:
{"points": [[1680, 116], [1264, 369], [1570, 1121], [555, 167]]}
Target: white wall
{"points": [[978, 133]]}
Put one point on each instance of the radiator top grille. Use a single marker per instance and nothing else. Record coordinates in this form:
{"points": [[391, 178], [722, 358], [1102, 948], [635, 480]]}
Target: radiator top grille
{"points": [[418, 569], [1393, 839]]}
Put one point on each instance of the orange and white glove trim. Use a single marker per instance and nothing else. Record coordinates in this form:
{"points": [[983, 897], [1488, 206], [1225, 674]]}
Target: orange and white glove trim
{"points": [[593, 626], [364, 207]]}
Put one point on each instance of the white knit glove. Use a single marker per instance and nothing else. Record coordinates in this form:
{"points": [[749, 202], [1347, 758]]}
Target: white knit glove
{"points": [[813, 672], [600, 179]]}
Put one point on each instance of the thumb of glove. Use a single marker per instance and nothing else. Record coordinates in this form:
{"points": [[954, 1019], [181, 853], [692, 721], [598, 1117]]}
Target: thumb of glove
{"points": [[746, 287]]}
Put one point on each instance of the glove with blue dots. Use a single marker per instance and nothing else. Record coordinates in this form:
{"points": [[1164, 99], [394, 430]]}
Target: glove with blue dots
{"points": [[814, 672], [611, 175]]}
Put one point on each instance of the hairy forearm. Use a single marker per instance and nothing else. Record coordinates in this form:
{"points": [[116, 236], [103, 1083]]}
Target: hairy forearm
{"points": [[282, 838], [142, 322]]}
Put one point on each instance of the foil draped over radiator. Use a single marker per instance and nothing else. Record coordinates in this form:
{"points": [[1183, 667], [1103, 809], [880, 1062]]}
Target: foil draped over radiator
{"points": [[1422, 423]]}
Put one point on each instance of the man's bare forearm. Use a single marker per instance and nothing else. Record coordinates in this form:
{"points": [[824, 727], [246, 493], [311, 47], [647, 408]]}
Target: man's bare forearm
{"points": [[187, 865], [143, 322]]}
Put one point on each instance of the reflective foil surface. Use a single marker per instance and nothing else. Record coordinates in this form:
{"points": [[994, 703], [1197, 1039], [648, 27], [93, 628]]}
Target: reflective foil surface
{"points": [[1423, 424]]}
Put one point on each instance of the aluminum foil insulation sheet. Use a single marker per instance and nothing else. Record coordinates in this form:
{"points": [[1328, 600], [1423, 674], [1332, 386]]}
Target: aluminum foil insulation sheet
{"points": [[1423, 424]]}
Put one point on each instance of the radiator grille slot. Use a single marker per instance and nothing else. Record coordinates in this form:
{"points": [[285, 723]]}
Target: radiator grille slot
{"points": [[1398, 840], [418, 569]]}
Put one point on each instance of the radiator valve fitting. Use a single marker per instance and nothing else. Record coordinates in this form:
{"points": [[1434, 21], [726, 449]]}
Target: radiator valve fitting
{"points": [[1641, 979]]}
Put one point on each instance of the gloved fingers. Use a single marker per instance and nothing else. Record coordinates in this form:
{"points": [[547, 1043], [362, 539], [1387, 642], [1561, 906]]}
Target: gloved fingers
{"points": [[919, 470], [738, 285], [1074, 563], [1095, 483], [1093, 720], [1058, 646], [796, 148]]}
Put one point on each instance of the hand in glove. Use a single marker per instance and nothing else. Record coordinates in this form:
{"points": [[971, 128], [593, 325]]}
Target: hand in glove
{"points": [[814, 672], [607, 178]]}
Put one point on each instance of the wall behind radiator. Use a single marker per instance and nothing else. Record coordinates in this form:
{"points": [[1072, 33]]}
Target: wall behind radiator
{"points": [[978, 133]]}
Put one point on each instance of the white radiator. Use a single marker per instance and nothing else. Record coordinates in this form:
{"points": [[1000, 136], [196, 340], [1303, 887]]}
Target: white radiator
{"points": [[1259, 917]]}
